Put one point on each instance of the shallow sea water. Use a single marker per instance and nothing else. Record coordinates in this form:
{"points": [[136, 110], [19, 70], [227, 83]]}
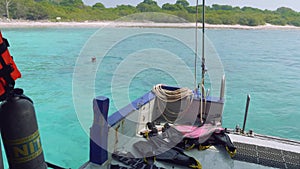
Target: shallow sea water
{"points": [[263, 63]]}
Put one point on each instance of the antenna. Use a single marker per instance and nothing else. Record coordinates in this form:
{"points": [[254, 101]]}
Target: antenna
{"points": [[203, 46], [203, 59], [196, 47], [203, 36]]}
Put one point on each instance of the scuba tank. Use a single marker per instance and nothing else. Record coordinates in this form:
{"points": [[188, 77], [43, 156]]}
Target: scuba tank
{"points": [[20, 133], [19, 129]]}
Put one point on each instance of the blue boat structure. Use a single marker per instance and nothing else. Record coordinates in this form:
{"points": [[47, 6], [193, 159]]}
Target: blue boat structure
{"points": [[121, 130]]}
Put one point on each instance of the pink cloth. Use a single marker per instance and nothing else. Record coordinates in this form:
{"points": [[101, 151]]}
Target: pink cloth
{"points": [[203, 133], [185, 129]]}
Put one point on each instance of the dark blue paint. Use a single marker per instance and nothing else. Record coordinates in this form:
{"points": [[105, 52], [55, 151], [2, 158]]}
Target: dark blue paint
{"points": [[171, 88], [99, 131], [119, 115]]}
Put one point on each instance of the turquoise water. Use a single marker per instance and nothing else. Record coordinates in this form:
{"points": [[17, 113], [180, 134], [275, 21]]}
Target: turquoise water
{"points": [[263, 63]]}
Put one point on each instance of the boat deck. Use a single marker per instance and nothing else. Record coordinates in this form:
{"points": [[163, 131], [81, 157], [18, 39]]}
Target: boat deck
{"points": [[253, 150], [251, 153]]}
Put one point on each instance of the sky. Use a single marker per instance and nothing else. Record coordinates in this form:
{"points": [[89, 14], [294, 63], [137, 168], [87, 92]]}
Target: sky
{"points": [[261, 4]]}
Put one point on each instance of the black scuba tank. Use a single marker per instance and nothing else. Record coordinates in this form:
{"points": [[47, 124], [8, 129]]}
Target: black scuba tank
{"points": [[20, 133]]}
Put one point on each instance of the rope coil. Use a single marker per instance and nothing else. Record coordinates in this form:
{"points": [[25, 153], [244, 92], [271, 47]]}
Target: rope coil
{"points": [[170, 96]]}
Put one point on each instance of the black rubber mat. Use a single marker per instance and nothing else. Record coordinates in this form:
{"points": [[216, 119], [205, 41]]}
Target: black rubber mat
{"points": [[267, 156]]}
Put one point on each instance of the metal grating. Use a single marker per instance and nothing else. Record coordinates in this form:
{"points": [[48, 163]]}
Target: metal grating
{"points": [[267, 156]]}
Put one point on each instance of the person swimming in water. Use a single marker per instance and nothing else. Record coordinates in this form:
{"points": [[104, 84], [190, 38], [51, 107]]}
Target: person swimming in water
{"points": [[93, 59]]}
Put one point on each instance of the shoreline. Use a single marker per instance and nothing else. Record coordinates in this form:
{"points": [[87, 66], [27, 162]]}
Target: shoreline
{"points": [[103, 24]]}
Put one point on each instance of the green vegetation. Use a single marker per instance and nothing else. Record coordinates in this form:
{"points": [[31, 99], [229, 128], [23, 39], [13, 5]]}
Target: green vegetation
{"points": [[76, 10]]}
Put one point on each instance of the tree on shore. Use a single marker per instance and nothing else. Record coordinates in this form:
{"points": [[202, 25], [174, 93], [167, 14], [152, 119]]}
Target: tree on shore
{"points": [[99, 5], [184, 3], [6, 5], [148, 6]]}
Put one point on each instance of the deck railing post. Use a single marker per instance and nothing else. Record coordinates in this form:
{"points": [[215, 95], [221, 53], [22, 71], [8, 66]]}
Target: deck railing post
{"points": [[222, 90], [99, 131], [246, 112]]}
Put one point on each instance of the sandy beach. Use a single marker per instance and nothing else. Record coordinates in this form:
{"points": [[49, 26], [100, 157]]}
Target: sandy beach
{"points": [[101, 24]]}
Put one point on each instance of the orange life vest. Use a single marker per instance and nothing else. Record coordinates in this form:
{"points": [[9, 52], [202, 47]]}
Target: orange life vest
{"points": [[8, 69]]}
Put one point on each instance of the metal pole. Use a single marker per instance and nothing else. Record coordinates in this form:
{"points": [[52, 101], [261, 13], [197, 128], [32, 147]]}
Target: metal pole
{"points": [[203, 36], [203, 59], [196, 47], [246, 112], [203, 62], [222, 91]]}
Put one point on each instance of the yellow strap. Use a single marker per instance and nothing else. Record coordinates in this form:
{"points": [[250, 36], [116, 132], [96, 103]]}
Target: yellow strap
{"points": [[116, 138], [201, 147], [146, 135], [190, 147], [232, 154], [146, 161], [198, 166]]}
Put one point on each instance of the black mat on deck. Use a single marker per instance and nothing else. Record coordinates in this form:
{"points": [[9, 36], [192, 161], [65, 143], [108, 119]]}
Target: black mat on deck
{"points": [[267, 156]]}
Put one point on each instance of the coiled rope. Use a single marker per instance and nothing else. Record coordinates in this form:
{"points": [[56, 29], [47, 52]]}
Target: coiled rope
{"points": [[170, 96]]}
